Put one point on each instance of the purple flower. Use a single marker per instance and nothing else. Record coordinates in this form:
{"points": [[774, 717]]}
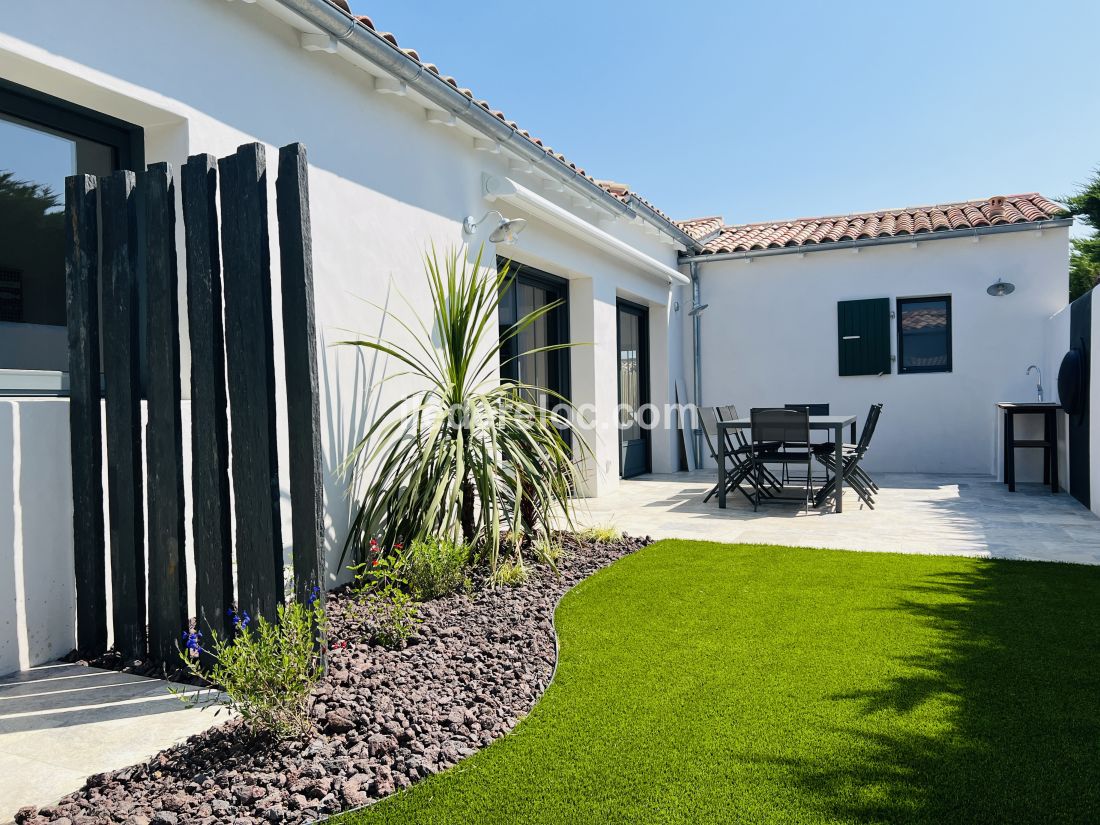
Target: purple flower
{"points": [[192, 642]]}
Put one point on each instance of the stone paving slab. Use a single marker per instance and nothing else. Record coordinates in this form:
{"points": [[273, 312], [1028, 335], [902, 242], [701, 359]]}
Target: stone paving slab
{"points": [[61, 723], [954, 515]]}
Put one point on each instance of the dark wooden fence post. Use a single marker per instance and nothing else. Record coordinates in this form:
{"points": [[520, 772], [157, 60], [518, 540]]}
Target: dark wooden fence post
{"points": [[300, 347], [164, 433], [82, 309], [250, 362], [212, 529], [122, 379]]}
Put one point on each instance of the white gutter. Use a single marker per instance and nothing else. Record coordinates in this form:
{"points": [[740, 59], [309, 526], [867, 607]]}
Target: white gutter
{"points": [[923, 237], [506, 189]]}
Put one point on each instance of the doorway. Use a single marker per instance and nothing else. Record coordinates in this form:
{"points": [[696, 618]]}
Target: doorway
{"points": [[633, 342]]}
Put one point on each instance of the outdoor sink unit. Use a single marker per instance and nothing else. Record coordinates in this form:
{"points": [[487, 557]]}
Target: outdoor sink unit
{"points": [[1048, 443]]}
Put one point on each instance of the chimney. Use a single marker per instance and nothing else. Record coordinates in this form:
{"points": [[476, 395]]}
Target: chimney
{"points": [[996, 206]]}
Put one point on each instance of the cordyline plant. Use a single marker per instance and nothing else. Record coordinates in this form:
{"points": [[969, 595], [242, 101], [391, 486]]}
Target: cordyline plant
{"points": [[465, 456]]}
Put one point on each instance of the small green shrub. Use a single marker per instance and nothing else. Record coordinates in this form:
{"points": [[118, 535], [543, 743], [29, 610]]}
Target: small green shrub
{"points": [[549, 551], [266, 671], [512, 573], [379, 570], [435, 568], [391, 617], [382, 585], [604, 534]]}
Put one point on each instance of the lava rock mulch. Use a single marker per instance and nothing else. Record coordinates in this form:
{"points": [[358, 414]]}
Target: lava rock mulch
{"points": [[384, 718]]}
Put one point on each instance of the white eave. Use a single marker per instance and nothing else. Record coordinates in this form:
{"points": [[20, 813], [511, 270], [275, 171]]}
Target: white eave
{"points": [[507, 190]]}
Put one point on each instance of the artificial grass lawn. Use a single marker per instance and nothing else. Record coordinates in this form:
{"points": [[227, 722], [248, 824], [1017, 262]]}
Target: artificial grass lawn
{"points": [[711, 683]]}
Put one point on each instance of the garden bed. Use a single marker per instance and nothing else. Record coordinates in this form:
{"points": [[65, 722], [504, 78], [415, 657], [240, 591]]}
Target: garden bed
{"points": [[384, 718]]}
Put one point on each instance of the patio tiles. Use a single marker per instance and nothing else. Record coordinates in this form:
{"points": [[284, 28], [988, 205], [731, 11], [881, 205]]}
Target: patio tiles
{"points": [[954, 515], [60, 723]]}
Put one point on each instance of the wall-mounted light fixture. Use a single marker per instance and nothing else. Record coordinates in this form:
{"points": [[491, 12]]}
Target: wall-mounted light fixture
{"points": [[1000, 288], [505, 231]]}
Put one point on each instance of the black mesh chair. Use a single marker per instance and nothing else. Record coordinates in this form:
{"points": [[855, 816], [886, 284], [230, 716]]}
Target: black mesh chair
{"points": [[852, 454], [739, 458], [811, 409], [736, 440], [790, 430]]}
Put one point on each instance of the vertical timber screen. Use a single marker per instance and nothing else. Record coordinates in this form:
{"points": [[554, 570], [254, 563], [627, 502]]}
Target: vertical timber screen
{"points": [[232, 381]]}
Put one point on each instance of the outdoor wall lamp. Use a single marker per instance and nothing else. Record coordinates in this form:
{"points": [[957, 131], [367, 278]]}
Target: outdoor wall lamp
{"points": [[505, 231], [1000, 289]]}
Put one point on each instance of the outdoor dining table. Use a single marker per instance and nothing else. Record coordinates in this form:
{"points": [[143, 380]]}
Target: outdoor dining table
{"points": [[834, 423]]}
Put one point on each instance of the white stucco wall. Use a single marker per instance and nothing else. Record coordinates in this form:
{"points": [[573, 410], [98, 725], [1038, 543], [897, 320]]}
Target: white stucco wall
{"points": [[385, 184], [36, 557], [770, 338], [37, 574]]}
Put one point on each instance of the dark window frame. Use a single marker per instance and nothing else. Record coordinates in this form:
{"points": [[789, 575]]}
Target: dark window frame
{"points": [[127, 139], [898, 305], [559, 318], [641, 311], [56, 115]]}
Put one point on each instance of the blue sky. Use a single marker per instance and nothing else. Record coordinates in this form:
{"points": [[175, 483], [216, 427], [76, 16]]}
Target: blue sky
{"points": [[756, 111]]}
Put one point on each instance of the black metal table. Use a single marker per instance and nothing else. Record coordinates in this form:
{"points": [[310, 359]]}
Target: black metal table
{"points": [[833, 423], [1048, 443]]}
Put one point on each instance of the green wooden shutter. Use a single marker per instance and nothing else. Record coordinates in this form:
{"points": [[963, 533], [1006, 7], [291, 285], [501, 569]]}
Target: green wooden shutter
{"points": [[863, 336]]}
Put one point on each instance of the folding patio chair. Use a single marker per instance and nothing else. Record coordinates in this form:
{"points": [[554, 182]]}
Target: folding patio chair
{"points": [[739, 457], [812, 409], [736, 440], [852, 454], [790, 429]]}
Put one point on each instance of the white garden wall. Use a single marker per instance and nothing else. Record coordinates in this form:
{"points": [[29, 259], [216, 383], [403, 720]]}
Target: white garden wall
{"points": [[770, 337]]}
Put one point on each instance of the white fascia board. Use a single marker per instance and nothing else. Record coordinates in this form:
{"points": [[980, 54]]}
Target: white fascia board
{"points": [[506, 189]]}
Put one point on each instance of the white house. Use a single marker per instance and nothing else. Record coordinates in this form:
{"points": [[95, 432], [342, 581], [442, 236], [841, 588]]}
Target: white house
{"points": [[400, 156], [790, 319]]}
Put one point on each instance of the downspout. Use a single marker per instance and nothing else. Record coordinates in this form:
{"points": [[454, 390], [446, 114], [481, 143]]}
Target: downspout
{"points": [[697, 363]]}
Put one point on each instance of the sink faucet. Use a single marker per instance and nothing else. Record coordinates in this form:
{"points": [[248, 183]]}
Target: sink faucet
{"points": [[1039, 386]]}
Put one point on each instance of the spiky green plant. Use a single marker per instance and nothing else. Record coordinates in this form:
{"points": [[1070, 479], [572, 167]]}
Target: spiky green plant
{"points": [[465, 455]]}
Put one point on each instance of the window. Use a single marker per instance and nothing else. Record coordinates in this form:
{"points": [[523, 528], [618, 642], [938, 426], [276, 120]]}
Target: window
{"points": [[924, 334], [43, 141], [528, 290]]}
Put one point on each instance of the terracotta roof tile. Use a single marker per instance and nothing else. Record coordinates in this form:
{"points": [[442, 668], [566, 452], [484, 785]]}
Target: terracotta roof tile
{"points": [[700, 228], [624, 193], [917, 220]]}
